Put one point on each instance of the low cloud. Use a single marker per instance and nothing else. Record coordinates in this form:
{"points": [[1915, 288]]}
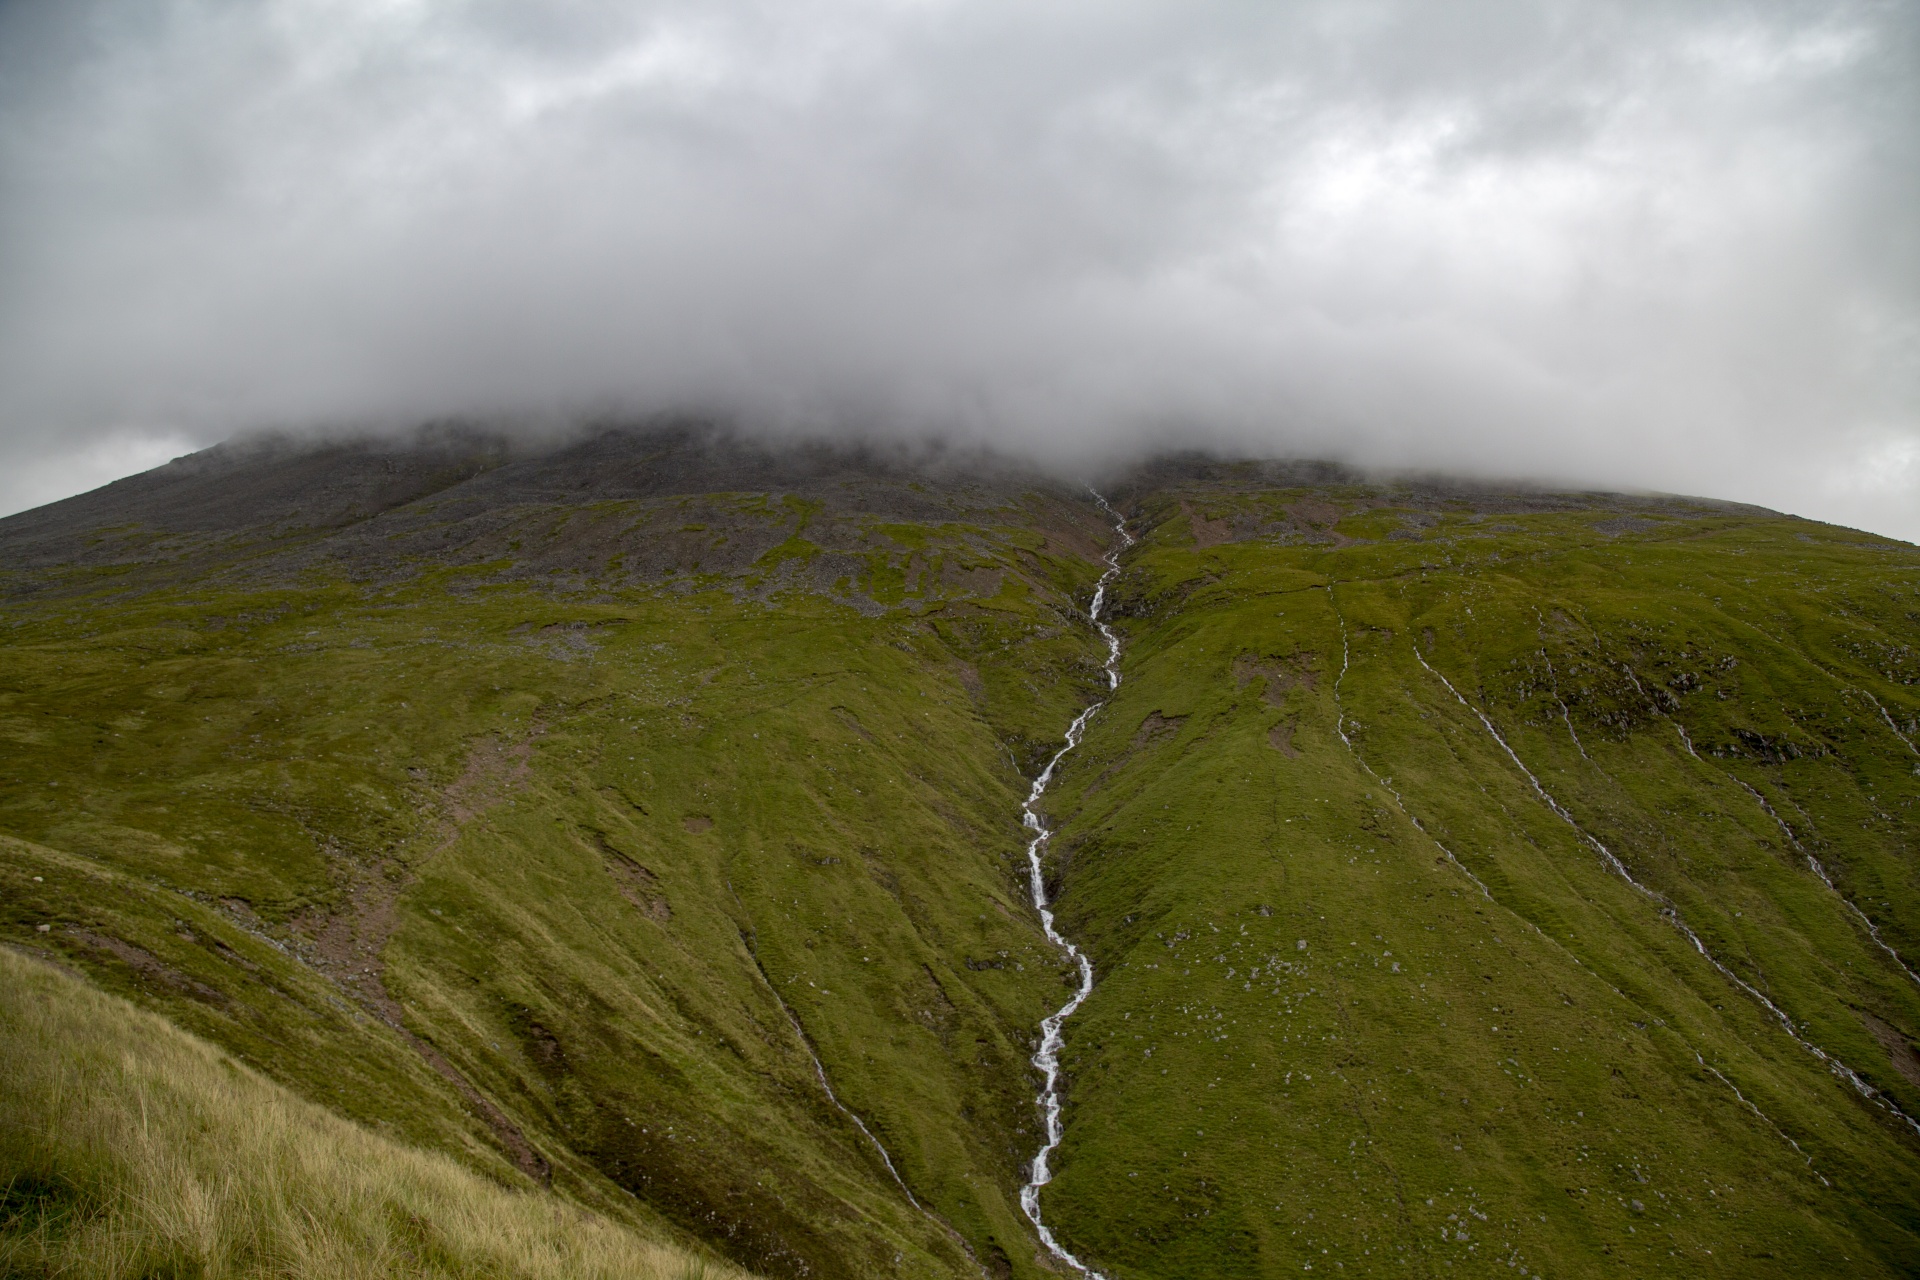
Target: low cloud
{"points": [[1664, 246]]}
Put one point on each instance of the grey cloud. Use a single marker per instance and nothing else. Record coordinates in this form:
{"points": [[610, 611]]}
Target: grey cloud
{"points": [[1658, 245]]}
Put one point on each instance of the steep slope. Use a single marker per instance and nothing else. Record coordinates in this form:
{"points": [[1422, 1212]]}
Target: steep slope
{"points": [[584, 870], [1519, 891], [1474, 879], [135, 1150]]}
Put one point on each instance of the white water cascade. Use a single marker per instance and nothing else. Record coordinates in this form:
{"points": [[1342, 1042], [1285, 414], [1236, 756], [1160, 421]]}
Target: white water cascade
{"points": [[1051, 1038]]}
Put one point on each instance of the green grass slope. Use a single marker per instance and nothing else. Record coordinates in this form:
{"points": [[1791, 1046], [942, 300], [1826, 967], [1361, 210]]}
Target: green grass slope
{"points": [[131, 1149], [1375, 999], [1476, 881], [588, 880]]}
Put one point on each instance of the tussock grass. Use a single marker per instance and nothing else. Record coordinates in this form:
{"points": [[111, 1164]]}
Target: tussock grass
{"points": [[130, 1148]]}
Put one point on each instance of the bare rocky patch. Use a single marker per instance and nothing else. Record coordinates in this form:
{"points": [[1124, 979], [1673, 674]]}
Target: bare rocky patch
{"points": [[1277, 674], [1206, 532]]}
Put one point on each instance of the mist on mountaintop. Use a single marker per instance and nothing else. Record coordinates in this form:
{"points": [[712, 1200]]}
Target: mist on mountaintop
{"points": [[1648, 246]]}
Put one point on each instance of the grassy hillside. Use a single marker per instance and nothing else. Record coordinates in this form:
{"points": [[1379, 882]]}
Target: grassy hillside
{"points": [[131, 1149], [579, 874], [1475, 880], [1371, 996]]}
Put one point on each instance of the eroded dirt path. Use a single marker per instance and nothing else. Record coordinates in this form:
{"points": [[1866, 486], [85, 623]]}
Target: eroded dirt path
{"points": [[348, 944]]}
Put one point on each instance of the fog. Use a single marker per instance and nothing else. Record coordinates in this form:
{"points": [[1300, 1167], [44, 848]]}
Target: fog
{"points": [[1670, 246]]}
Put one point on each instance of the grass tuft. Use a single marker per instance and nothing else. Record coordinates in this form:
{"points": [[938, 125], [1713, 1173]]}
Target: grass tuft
{"points": [[129, 1148]]}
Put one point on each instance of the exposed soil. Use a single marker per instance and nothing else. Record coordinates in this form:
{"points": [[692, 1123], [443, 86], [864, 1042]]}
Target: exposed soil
{"points": [[349, 944], [1206, 533], [150, 966], [1156, 728], [1899, 1049], [636, 883], [1279, 674]]}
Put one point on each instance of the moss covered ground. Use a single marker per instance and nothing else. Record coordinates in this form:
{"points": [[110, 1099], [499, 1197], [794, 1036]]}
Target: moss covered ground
{"points": [[582, 846]]}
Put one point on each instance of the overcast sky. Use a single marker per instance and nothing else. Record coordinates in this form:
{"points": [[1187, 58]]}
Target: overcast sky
{"points": [[1659, 245]]}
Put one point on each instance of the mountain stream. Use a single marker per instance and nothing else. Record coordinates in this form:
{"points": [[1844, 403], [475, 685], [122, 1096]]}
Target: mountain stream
{"points": [[1047, 1058]]}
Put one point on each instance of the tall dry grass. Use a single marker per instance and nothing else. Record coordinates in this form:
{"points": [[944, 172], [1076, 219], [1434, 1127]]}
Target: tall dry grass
{"points": [[129, 1148]]}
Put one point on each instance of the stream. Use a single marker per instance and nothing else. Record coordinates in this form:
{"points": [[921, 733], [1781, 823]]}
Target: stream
{"points": [[1051, 1037]]}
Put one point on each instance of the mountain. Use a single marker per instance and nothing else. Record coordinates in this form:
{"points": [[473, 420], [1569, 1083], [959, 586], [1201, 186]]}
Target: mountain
{"points": [[1474, 878]]}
